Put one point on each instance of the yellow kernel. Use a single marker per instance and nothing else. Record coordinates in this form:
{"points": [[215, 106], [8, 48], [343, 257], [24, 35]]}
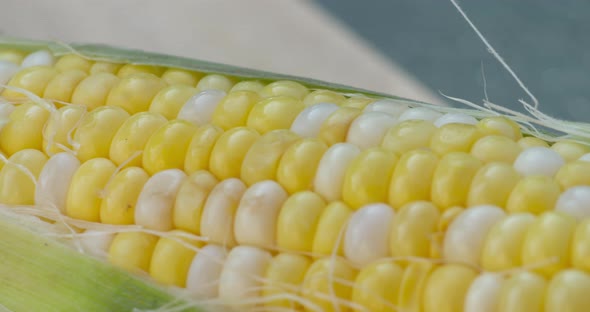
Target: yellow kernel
{"points": [[534, 194], [569, 150], [87, 189], [359, 102], [262, 159], [546, 243], [368, 176], [132, 251], [167, 147], [529, 141], [284, 274], [408, 135], [201, 145], [325, 279], [414, 281], [73, 62], [298, 220], [412, 177], [171, 259], [330, 229], [500, 125], [133, 69], [96, 131], [131, 138], [377, 285], [17, 186], [446, 219], [190, 200], [454, 137], [580, 248], [62, 86], [92, 92], [502, 247], [229, 151], [177, 76], [495, 148], [215, 82], [412, 229], [335, 128], [274, 113], [169, 100], [284, 88], [33, 79], [59, 129], [105, 67], [492, 185], [233, 110], [24, 128], [452, 179], [120, 196], [299, 163], [573, 174], [523, 291], [10, 55], [135, 92], [248, 85], [323, 96], [568, 291], [447, 287]]}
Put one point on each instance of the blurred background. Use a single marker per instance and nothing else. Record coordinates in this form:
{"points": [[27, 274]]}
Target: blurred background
{"points": [[412, 48]]}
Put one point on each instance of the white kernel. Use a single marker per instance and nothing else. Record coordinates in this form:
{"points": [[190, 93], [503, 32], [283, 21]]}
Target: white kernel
{"points": [[96, 243], [367, 233], [5, 111], [450, 118], [203, 275], [38, 58], [484, 293], [466, 234], [419, 113], [218, 213], [538, 160], [242, 273], [54, 181], [331, 170], [392, 108], [7, 70], [309, 122], [575, 201], [200, 107], [155, 203], [368, 129]]}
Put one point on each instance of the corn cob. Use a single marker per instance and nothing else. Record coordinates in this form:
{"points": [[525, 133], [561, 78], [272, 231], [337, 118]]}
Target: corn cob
{"points": [[280, 193]]}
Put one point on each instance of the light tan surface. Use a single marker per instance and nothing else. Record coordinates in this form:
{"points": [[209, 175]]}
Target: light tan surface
{"points": [[291, 37]]}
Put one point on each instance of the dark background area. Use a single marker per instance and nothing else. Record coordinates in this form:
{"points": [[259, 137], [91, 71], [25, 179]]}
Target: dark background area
{"points": [[546, 42]]}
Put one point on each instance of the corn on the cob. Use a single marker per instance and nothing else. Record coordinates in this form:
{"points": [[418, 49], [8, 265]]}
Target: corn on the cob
{"points": [[271, 194]]}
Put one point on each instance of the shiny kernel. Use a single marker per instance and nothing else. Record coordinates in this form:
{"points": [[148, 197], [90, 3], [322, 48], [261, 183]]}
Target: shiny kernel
{"points": [[408, 135], [298, 165], [169, 100], [414, 281], [495, 148], [199, 108], [389, 107], [166, 148], [133, 69], [323, 96], [283, 277], [205, 267], [262, 159], [248, 85], [62, 86], [105, 67], [190, 201], [368, 129], [331, 170], [176, 76], [454, 118], [335, 128], [274, 113], [546, 246], [447, 287], [412, 177], [24, 128], [120, 196], [452, 179], [569, 150], [500, 125], [233, 110], [325, 279], [377, 285], [284, 88], [574, 173], [298, 220], [172, 259], [87, 189], [199, 150], [234, 285], [412, 230], [132, 251], [453, 138], [59, 129], [502, 247], [534, 194], [492, 185], [73, 62], [39, 58], [367, 177], [19, 175], [523, 291], [538, 161], [135, 92], [580, 247], [10, 55], [131, 138], [329, 235], [96, 131], [529, 141], [33, 79], [359, 102], [420, 113], [310, 120], [484, 293], [229, 151], [218, 214], [93, 91], [215, 82], [568, 291]]}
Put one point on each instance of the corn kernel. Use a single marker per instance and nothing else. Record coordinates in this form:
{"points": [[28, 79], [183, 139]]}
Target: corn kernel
{"points": [[215, 82], [284, 274], [335, 128], [412, 228], [323, 96], [135, 92], [274, 113], [155, 204], [376, 287], [229, 151], [527, 142], [534, 194], [454, 138], [93, 91], [580, 252], [568, 291], [248, 85], [105, 67], [298, 220], [573, 174], [171, 259], [62, 86], [492, 185], [167, 146], [59, 128], [33, 79], [495, 148], [503, 245], [500, 125], [452, 179], [218, 214], [132, 251], [408, 135], [120, 196], [176, 76], [233, 110], [169, 101], [19, 175], [299, 163], [190, 201], [446, 288], [133, 69], [569, 150], [199, 150], [73, 62], [326, 279], [329, 235], [366, 237], [523, 291], [412, 177], [24, 130]]}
